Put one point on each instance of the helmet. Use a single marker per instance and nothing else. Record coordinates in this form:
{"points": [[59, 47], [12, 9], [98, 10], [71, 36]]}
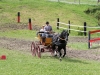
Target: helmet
{"points": [[47, 22]]}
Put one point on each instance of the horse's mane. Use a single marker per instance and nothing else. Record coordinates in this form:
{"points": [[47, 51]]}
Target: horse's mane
{"points": [[55, 37], [61, 36]]}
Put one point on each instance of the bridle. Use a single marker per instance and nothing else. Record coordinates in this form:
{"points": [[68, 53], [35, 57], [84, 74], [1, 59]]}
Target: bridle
{"points": [[62, 38]]}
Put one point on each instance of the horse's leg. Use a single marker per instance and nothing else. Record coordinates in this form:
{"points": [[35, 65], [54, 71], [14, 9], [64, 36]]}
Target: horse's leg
{"points": [[60, 54], [55, 53], [64, 51], [59, 50], [54, 49]]}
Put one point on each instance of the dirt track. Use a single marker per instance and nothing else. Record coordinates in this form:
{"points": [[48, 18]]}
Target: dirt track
{"points": [[23, 45]]}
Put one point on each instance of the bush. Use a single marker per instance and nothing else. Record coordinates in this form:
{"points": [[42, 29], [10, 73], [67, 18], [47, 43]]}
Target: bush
{"points": [[97, 15], [92, 10], [95, 11]]}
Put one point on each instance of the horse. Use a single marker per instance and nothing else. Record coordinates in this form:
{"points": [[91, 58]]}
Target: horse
{"points": [[59, 42]]}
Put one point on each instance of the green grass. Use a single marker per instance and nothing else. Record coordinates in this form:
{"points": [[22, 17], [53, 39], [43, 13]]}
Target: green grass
{"points": [[78, 46], [21, 34], [41, 11], [22, 63]]}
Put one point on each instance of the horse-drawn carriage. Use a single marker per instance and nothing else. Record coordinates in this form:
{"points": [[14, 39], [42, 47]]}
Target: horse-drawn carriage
{"points": [[38, 47], [51, 44]]}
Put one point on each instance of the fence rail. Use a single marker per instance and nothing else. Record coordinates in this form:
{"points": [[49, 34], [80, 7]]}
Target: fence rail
{"points": [[92, 40], [89, 2], [76, 25], [71, 25]]}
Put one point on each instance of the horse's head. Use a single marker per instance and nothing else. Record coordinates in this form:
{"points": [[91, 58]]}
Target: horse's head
{"points": [[64, 35]]}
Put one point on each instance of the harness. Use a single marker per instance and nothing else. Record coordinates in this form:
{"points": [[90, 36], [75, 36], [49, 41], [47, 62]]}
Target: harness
{"points": [[62, 38]]}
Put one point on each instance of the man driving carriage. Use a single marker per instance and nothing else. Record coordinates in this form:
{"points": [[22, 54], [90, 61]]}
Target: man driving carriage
{"points": [[46, 32], [48, 29]]}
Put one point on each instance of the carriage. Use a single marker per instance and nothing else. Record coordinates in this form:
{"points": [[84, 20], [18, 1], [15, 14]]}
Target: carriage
{"points": [[38, 47], [51, 44]]}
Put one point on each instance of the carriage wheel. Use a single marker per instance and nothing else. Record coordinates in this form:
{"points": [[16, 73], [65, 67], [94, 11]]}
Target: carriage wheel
{"points": [[33, 49], [38, 50]]}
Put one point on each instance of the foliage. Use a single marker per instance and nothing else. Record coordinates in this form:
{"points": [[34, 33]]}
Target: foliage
{"points": [[97, 15], [95, 11], [92, 9]]}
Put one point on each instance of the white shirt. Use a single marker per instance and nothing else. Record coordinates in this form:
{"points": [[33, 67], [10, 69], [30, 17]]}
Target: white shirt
{"points": [[42, 30]]}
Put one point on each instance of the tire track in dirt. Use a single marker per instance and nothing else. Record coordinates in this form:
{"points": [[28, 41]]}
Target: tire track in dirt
{"points": [[25, 45]]}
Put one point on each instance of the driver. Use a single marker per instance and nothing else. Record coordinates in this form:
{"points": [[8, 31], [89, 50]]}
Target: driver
{"points": [[48, 29]]}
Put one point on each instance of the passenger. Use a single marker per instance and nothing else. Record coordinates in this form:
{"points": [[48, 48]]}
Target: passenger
{"points": [[42, 34], [48, 29], [42, 29]]}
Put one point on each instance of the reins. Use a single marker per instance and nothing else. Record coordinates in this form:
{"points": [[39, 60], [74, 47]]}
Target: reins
{"points": [[62, 38]]}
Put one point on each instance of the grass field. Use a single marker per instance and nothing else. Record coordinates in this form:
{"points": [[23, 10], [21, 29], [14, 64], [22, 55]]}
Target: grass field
{"points": [[22, 63], [21, 34], [40, 11]]}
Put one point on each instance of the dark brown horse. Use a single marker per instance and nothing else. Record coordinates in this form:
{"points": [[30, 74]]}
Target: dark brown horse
{"points": [[59, 42]]}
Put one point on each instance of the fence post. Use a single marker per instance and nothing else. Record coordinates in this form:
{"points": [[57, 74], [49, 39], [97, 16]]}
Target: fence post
{"points": [[18, 17], [57, 23], [85, 29], [30, 24], [89, 40], [69, 26]]}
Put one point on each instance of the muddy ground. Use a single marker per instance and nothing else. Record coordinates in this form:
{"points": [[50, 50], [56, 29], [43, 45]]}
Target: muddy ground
{"points": [[24, 45]]}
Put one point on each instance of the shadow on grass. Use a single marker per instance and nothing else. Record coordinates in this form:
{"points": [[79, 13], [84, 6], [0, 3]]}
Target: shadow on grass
{"points": [[74, 60], [65, 59], [49, 57]]}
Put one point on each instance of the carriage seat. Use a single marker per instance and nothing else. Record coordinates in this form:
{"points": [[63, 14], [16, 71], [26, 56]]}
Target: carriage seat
{"points": [[44, 40]]}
